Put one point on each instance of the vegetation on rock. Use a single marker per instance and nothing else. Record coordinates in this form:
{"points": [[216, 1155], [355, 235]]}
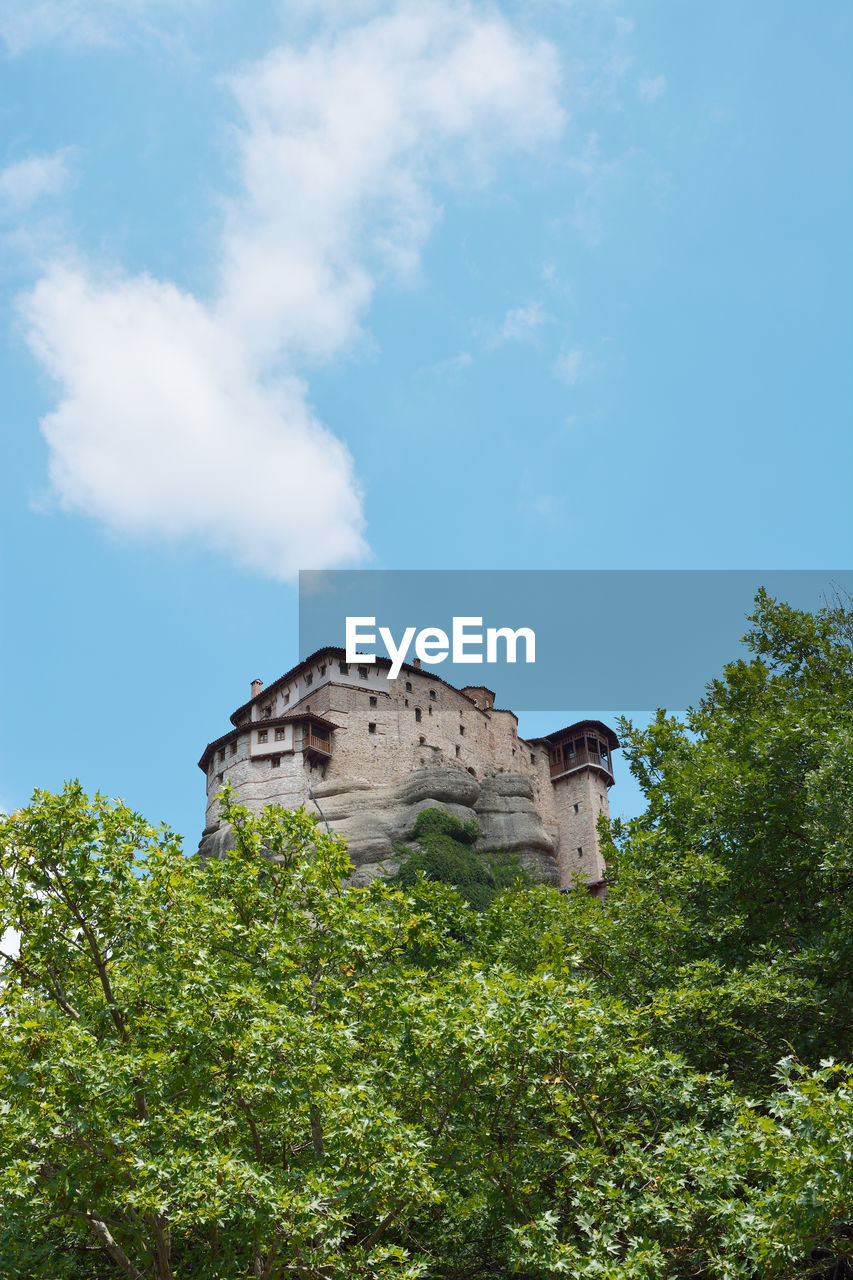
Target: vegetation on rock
{"points": [[440, 848]]}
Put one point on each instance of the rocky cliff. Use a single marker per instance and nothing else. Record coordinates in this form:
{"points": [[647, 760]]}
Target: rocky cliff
{"points": [[372, 818]]}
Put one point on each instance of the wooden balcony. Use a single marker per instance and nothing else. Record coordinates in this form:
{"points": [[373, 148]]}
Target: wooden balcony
{"points": [[567, 756], [316, 743]]}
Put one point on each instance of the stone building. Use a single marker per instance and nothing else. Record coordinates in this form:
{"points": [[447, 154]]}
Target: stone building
{"points": [[366, 754]]}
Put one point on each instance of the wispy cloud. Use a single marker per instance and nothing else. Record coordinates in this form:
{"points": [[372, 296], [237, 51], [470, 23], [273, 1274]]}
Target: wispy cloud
{"points": [[520, 324], [27, 181], [187, 418], [77, 23], [650, 88], [453, 365], [569, 366]]}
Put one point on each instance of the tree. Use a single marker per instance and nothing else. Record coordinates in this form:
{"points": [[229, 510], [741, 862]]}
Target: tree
{"points": [[730, 914], [251, 1069]]}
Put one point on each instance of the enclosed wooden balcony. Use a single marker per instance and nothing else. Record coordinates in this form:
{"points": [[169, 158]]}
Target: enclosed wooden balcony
{"points": [[586, 744], [570, 756]]}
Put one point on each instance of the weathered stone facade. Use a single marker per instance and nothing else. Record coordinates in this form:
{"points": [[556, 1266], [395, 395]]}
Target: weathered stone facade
{"points": [[367, 754]]}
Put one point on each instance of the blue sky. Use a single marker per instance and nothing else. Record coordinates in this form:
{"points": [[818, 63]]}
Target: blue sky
{"points": [[428, 285]]}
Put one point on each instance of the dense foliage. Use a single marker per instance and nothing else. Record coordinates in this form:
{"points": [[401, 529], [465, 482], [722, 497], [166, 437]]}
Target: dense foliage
{"points": [[440, 847], [249, 1069]]}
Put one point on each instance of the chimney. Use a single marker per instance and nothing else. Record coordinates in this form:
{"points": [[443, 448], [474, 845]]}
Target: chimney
{"points": [[257, 685], [416, 662]]}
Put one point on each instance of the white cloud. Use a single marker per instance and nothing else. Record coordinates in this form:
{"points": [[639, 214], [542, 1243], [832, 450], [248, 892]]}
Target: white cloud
{"points": [[27, 181], [650, 88], [164, 430], [185, 419], [520, 323], [342, 145]]}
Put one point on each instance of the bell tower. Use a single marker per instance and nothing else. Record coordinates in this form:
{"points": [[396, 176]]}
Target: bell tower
{"points": [[581, 764]]}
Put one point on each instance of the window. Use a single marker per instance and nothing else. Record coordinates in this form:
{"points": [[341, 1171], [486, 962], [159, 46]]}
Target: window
{"points": [[429, 709], [532, 758], [576, 808], [580, 850], [286, 697], [343, 668], [406, 701], [372, 700], [408, 686], [279, 735], [262, 735], [462, 728], [362, 671], [267, 711], [457, 749], [309, 679], [322, 668], [418, 716], [275, 762], [432, 695], [219, 777], [422, 741], [233, 748], [371, 728], [222, 755]]}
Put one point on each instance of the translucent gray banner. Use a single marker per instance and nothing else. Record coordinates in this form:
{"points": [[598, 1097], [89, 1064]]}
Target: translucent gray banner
{"points": [[619, 640]]}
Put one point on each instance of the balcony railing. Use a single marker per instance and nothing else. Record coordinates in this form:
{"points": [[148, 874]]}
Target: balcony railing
{"points": [[316, 743], [565, 757]]}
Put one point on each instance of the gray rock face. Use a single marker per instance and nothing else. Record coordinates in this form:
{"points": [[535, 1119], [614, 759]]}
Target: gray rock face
{"points": [[508, 820], [372, 818]]}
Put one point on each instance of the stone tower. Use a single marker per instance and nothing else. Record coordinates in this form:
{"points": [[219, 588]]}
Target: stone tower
{"points": [[581, 773]]}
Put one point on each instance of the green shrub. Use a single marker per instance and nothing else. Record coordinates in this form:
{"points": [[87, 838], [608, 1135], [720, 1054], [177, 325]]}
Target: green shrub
{"points": [[443, 851]]}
